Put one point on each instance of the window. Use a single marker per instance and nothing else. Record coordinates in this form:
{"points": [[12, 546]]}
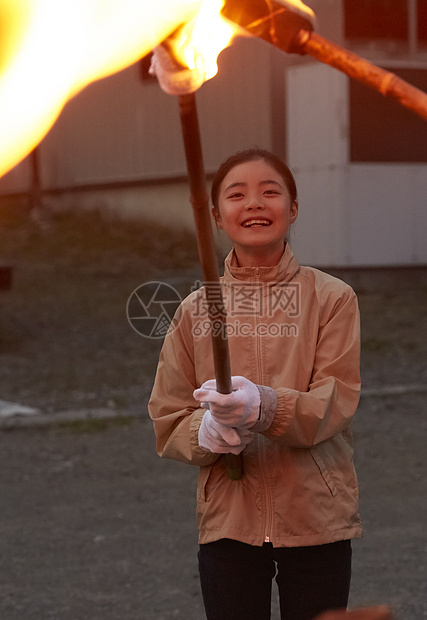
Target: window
{"points": [[381, 130], [422, 22], [389, 24], [376, 19]]}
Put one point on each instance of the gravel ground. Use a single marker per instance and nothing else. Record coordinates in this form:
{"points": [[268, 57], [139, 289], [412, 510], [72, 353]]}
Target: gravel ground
{"points": [[92, 523]]}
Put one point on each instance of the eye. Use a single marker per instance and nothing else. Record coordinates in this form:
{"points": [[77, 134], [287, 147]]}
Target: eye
{"points": [[235, 195], [271, 192]]}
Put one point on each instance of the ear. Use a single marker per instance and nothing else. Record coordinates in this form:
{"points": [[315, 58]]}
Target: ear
{"points": [[217, 218], [294, 211]]}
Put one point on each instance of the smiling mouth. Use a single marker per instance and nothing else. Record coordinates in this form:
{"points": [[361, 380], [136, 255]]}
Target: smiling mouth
{"points": [[256, 223]]}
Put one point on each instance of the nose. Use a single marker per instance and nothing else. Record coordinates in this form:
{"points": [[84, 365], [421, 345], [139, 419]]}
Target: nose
{"points": [[254, 203]]}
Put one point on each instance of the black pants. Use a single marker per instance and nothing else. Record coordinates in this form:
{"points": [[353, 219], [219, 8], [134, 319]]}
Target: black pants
{"points": [[236, 579]]}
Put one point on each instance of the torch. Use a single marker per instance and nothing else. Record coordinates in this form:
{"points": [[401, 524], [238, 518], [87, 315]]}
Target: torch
{"points": [[177, 79], [207, 255], [288, 25]]}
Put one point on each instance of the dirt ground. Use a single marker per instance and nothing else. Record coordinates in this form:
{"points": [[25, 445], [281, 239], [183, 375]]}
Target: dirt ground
{"points": [[92, 523]]}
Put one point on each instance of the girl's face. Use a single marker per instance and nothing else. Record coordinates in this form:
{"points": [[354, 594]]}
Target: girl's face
{"points": [[255, 211]]}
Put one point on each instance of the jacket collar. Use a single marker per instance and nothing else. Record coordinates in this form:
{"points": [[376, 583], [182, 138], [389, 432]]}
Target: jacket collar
{"points": [[284, 271]]}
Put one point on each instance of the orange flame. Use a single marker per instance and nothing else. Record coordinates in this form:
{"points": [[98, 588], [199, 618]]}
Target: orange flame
{"points": [[201, 40], [189, 56], [51, 49]]}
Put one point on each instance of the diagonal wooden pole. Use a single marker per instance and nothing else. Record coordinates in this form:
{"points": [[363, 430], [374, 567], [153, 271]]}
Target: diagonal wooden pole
{"points": [[385, 82], [207, 254], [293, 33]]}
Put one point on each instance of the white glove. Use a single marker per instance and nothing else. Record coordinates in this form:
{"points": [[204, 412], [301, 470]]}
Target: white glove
{"points": [[240, 409], [221, 439]]}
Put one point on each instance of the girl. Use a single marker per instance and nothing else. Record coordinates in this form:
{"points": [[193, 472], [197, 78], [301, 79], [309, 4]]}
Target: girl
{"points": [[294, 350]]}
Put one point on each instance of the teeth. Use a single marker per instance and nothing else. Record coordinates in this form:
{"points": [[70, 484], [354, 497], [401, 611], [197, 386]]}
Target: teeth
{"points": [[256, 222]]}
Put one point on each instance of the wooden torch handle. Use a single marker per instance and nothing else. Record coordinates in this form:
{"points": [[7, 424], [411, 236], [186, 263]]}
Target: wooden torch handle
{"points": [[207, 254], [385, 82]]}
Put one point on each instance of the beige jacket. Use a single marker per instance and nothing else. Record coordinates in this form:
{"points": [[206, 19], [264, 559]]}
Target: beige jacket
{"points": [[295, 330]]}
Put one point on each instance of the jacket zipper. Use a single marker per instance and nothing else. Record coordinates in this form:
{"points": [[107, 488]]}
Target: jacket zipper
{"points": [[263, 459], [268, 494]]}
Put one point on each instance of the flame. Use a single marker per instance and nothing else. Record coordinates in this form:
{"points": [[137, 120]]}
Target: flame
{"points": [[51, 49], [201, 40]]}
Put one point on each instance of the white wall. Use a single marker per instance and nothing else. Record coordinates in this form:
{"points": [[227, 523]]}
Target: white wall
{"points": [[317, 154], [387, 214]]}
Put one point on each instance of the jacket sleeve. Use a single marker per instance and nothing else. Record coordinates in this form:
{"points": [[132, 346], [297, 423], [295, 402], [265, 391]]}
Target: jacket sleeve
{"points": [[175, 414], [306, 418]]}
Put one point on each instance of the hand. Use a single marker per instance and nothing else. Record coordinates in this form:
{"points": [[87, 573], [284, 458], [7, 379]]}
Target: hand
{"points": [[221, 439], [240, 409]]}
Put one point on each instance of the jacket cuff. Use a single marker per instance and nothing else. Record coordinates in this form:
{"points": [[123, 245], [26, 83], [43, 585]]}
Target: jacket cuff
{"points": [[267, 409]]}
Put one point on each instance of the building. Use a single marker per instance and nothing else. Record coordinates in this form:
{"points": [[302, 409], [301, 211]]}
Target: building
{"points": [[359, 159]]}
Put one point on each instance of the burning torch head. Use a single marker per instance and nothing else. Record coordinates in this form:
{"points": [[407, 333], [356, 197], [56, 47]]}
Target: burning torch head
{"points": [[187, 58], [175, 77], [276, 21], [179, 63]]}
